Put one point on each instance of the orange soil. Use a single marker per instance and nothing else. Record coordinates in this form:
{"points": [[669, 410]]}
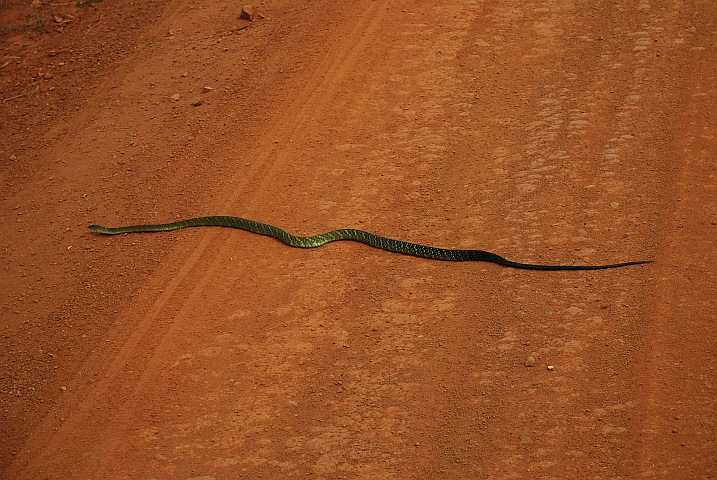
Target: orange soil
{"points": [[547, 132]]}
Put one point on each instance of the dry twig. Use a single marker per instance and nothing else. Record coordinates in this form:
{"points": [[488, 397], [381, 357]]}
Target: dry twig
{"points": [[13, 98], [93, 26]]}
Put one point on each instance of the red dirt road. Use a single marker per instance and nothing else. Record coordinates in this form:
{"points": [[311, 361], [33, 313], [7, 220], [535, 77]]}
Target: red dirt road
{"points": [[555, 132]]}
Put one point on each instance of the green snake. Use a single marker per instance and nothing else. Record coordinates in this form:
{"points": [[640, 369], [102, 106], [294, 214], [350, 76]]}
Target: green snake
{"points": [[376, 241]]}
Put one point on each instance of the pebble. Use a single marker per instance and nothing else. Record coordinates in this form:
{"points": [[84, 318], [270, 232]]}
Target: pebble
{"points": [[550, 367], [207, 89], [247, 13], [197, 101], [176, 97], [530, 362]]}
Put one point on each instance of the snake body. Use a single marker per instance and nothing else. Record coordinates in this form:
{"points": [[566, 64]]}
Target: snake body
{"points": [[376, 241]]}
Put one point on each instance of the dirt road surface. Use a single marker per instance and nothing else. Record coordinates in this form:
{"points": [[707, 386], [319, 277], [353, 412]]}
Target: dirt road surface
{"points": [[555, 132]]}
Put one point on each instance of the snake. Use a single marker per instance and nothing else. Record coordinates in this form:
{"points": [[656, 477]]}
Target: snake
{"points": [[383, 243]]}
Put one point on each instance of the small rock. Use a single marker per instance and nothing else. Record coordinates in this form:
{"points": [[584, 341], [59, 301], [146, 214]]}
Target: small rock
{"points": [[530, 362], [525, 439], [197, 101], [176, 97], [247, 13], [207, 89], [184, 74], [550, 367], [63, 388]]}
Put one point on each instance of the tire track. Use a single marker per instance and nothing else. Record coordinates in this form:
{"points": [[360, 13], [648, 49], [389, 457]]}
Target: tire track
{"points": [[269, 160]]}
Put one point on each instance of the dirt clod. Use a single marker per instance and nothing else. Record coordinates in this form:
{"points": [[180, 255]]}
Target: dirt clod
{"points": [[247, 13]]}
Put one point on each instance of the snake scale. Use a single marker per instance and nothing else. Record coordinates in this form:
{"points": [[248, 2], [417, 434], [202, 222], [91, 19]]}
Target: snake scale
{"points": [[376, 241]]}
